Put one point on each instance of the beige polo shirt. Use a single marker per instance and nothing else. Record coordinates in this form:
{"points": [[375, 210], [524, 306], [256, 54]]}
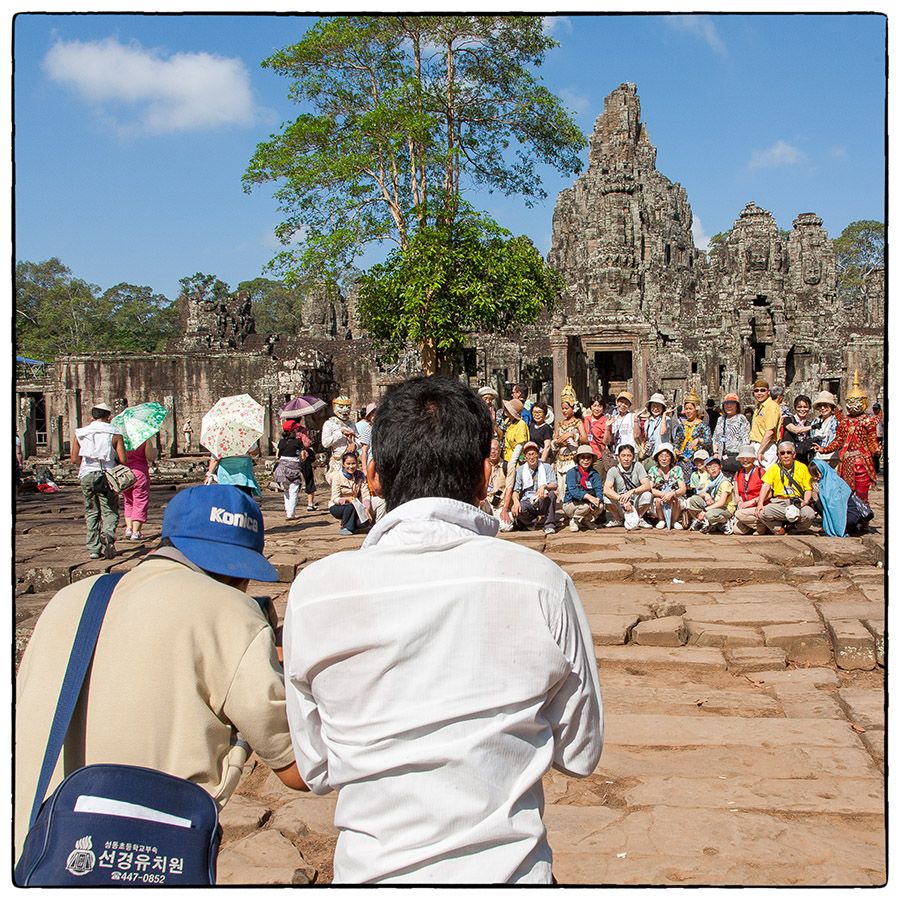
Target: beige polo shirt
{"points": [[181, 662]]}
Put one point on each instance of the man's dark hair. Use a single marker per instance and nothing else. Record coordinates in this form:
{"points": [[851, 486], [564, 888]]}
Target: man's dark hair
{"points": [[100, 413], [430, 439], [540, 406]]}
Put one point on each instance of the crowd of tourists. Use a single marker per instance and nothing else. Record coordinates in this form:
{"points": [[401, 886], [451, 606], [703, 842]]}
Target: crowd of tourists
{"points": [[770, 469]]}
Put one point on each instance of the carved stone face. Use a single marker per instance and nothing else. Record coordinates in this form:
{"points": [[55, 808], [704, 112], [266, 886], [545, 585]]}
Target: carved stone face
{"points": [[342, 410], [856, 405]]}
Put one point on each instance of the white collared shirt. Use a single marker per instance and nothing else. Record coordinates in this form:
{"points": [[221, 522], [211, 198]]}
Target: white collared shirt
{"points": [[433, 677]]}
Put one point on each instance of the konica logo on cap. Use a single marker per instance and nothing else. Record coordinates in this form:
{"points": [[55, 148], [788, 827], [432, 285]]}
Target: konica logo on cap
{"points": [[236, 520]]}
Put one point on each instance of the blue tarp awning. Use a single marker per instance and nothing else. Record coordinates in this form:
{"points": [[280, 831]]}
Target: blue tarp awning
{"points": [[30, 362]]}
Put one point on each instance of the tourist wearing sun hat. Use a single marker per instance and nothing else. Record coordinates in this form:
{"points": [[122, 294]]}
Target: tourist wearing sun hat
{"points": [[490, 397], [583, 500], [626, 491], [516, 434], [668, 487], [732, 432], [624, 425], [824, 426], [658, 427], [747, 485]]}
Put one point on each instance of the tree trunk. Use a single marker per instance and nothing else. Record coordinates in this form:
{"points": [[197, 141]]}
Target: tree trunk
{"points": [[428, 353]]}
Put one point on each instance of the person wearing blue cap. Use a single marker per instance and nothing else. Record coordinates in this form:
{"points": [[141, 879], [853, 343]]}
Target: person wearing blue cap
{"points": [[184, 661]]}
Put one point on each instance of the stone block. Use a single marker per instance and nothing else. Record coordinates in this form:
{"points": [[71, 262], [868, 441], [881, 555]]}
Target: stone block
{"points": [[854, 645], [799, 702], [784, 552], [812, 678], [641, 658], [704, 587], [764, 592], [754, 659], [706, 634], [299, 817], [240, 817], [742, 569], [668, 607], [851, 609], [286, 565], [592, 573], [876, 626], [865, 706], [753, 614], [611, 630], [805, 643], [265, 857], [808, 574], [669, 631], [874, 743], [848, 551]]}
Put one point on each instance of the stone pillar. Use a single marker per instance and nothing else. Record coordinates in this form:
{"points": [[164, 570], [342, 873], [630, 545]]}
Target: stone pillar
{"points": [[57, 440], [559, 345]]}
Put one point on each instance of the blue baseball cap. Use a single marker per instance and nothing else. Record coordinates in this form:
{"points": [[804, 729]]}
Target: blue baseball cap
{"points": [[220, 529]]}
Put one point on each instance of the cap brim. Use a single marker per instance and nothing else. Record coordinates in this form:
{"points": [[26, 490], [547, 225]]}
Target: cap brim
{"points": [[226, 559]]}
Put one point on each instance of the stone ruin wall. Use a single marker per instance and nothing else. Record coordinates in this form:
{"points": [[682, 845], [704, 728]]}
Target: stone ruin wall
{"points": [[762, 303]]}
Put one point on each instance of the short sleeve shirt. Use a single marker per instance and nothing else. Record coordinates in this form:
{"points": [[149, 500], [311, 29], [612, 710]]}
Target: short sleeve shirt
{"points": [[614, 477], [766, 417], [781, 485]]}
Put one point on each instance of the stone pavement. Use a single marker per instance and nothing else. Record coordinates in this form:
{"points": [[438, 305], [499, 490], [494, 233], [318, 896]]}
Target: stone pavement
{"points": [[743, 691]]}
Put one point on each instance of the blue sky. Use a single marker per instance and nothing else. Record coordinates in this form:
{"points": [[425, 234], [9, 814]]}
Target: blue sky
{"points": [[132, 131]]}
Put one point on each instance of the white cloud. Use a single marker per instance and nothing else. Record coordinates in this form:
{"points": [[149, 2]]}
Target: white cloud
{"points": [[554, 24], [141, 90], [574, 101], [838, 152], [779, 154], [699, 26], [701, 238]]}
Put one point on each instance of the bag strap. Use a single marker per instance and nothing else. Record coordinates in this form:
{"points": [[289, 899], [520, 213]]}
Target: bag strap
{"points": [[76, 670]]}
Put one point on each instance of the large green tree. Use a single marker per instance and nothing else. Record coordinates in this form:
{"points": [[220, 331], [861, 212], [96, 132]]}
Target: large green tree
{"points": [[401, 114], [59, 314], [858, 251], [452, 280]]}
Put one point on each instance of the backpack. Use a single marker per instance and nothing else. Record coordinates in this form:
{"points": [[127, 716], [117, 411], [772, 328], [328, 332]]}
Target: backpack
{"points": [[108, 824]]}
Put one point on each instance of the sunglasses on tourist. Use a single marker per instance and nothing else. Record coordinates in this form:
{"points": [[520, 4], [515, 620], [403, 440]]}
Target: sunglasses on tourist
{"points": [[785, 452]]}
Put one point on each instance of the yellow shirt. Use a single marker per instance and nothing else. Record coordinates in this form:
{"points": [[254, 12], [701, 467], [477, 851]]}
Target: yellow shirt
{"points": [[516, 434], [766, 417], [784, 488]]}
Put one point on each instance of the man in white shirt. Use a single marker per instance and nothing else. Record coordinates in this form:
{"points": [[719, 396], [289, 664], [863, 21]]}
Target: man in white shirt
{"points": [[97, 447], [435, 675]]}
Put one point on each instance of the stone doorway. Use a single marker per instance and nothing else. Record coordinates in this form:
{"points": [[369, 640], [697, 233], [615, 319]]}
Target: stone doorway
{"points": [[613, 372]]}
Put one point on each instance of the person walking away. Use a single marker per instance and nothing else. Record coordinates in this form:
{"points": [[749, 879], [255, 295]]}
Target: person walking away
{"points": [[136, 499], [439, 778], [786, 495], [765, 424], [235, 470], [583, 499], [97, 447], [288, 471], [732, 431], [747, 486], [184, 662]]}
